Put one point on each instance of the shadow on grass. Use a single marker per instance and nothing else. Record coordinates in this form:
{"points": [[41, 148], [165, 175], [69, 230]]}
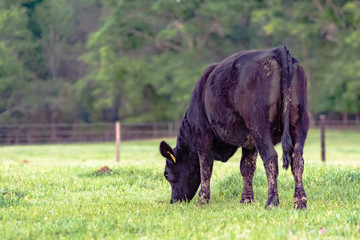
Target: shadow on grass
{"points": [[321, 183], [125, 173], [232, 186], [331, 183], [96, 173], [10, 198]]}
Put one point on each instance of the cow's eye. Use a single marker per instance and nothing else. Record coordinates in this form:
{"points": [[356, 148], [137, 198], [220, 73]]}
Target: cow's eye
{"points": [[166, 175]]}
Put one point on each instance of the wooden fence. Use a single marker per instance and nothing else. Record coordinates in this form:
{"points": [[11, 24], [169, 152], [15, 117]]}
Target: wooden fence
{"points": [[105, 132]]}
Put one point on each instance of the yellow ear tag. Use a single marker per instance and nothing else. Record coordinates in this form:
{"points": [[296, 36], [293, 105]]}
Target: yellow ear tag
{"points": [[172, 157]]}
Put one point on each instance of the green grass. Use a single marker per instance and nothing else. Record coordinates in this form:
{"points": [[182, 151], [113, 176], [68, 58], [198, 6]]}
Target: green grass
{"points": [[55, 192]]}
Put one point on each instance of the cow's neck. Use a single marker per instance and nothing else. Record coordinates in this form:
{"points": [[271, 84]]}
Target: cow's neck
{"points": [[186, 142]]}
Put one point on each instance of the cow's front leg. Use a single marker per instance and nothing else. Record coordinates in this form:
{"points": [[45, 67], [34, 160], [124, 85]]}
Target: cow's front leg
{"points": [[297, 168], [247, 169], [206, 167]]}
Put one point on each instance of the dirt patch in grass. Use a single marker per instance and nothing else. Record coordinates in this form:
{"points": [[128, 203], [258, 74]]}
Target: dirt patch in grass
{"points": [[104, 170]]}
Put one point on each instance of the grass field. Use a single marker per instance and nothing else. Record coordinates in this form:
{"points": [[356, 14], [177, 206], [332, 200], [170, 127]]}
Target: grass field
{"points": [[56, 192]]}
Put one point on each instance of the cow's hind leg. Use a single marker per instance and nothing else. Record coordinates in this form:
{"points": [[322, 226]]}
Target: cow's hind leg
{"points": [[269, 156], [297, 168], [247, 169], [299, 121]]}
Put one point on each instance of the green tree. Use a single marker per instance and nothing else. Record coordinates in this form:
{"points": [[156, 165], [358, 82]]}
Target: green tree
{"points": [[41, 55], [103, 60], [15, 40], [154, 45]]}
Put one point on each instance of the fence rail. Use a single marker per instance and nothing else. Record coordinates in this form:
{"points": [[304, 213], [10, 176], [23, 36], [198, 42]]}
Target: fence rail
{"points": [[103, 132], [81, 132], [339, 124]]}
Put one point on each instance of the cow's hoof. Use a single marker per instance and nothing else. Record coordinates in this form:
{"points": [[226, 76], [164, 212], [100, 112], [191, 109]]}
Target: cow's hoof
{"points": [[272, 202], [202, 201], [300, 203], [246, 200], [203, 198]]}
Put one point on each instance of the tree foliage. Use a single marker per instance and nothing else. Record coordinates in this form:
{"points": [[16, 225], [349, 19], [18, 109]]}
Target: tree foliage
{"points": [[104, 60]]}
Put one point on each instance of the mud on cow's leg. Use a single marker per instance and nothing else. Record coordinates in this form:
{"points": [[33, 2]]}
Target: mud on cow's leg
{"points": [[247, 169], [204, 143], [297, 161], [270, 159], [272, 172], [206, 167], [297, 168]]}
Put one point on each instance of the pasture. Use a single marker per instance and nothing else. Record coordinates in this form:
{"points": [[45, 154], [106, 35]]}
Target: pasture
{"points": [[58, 192]]}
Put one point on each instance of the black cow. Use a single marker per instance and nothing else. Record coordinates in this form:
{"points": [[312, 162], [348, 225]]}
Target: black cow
{"points": [[253, 100]]}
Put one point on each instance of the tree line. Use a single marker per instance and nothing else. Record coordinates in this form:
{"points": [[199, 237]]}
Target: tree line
{"points": [[138, 60]]}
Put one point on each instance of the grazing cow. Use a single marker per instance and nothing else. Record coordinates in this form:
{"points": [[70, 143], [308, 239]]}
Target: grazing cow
{"points": [[252, 100]]}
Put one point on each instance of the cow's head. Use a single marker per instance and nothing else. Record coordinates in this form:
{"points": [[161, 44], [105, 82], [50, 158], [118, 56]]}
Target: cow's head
{"points": [[183, 176]]}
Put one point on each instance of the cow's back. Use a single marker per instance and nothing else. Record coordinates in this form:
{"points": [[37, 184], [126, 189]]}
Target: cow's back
{"points": [[242, 87]]}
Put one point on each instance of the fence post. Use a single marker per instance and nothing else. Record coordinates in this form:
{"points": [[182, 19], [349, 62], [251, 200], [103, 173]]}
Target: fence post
{"points": [[53, 131], [117, 139], [322, 127]]}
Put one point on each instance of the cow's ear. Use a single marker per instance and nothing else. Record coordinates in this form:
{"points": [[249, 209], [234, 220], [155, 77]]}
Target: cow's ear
{"points": [[167, 152]]}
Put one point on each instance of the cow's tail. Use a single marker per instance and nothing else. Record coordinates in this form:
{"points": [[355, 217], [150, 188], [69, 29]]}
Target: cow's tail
{"points": [[286, 63]]}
